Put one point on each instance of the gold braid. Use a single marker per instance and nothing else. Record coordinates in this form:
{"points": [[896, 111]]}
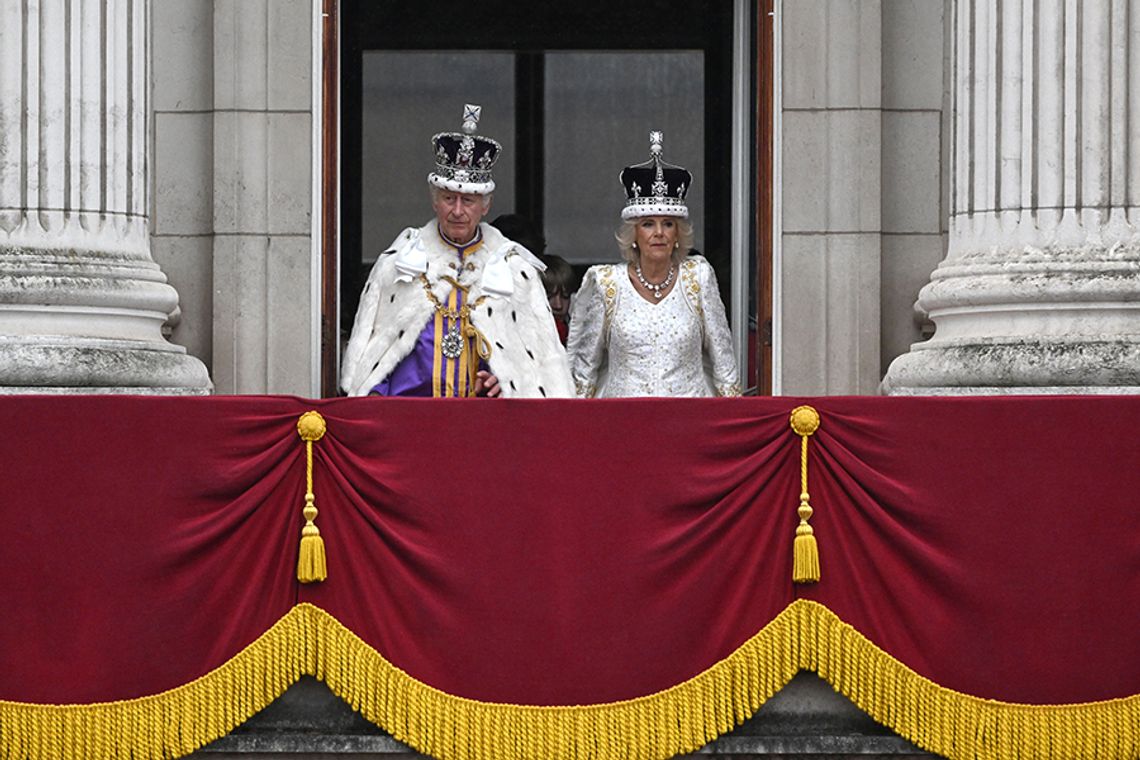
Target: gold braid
{"points": [[481, 345]]}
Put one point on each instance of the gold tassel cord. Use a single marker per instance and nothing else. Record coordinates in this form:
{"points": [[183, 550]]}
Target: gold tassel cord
{"points": [[479, 342], [678, 720], [312, 566], [805, 555], [482, 345]]}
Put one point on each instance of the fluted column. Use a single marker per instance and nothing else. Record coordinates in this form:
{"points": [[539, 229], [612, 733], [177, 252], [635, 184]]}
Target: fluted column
{"points": [[1040, 288], [82, 303]]}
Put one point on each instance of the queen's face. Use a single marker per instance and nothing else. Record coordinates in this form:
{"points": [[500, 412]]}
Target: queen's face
{"points": [[656, 236]]}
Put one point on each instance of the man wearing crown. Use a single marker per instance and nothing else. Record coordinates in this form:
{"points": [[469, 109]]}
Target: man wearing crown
{"points": [[454, 308]]}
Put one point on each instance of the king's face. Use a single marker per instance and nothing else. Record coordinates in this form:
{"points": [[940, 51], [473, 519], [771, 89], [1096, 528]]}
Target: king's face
{"points": [[459, 214]]}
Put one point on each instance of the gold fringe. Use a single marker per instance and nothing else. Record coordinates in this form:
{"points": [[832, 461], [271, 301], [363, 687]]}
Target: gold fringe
{"points": [[172, 723], [805, 636]]}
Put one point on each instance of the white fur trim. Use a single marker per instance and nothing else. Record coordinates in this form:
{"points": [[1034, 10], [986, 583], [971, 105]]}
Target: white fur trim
{"points": [[654, 209], [497, 279], [411, 260], [478, 188], [529, 257], [526, 354]]}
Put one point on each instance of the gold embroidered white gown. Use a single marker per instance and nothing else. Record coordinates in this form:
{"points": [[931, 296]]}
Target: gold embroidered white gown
{"points": [[622, 345]]}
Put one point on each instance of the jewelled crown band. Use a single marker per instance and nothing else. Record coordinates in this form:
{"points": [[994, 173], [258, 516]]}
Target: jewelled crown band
{"points": [[463, 160], [655, 188]]}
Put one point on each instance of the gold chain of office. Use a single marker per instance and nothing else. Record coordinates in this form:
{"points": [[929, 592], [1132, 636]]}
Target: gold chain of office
{"points": [[453, 339]]}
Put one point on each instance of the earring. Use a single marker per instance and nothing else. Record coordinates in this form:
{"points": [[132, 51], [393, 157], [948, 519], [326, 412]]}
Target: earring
{"points": [[677, 244], [635, 245]]}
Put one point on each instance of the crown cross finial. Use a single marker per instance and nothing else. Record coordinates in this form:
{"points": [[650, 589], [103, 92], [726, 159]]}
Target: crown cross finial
{"points": [[655, 140], [471, 114]]}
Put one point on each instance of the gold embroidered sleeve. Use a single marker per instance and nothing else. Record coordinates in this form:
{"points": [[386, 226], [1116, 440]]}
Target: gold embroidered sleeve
{"points": [[717, 336], [586, 344]]}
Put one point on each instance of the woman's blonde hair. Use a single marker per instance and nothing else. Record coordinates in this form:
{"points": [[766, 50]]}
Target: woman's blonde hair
{"points": [[626, 236]]}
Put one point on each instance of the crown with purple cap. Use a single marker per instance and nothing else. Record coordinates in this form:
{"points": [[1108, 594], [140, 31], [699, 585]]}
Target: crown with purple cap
{"points": [[463, 160]]}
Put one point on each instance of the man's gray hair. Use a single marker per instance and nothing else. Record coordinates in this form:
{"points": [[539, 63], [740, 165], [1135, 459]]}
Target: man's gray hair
{"points": [[437, 191]]}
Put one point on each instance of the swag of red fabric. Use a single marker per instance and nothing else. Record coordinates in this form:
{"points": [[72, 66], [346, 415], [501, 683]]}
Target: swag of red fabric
{"points": [[570, 552]]}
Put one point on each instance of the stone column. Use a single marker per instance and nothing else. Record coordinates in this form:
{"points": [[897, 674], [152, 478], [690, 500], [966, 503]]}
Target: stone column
{"points": [[82, 303], [1040, 288], [830, 258]]}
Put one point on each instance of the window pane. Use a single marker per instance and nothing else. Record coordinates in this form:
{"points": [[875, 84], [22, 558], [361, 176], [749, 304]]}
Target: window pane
{"points": [[600, 109], [408, 98]]}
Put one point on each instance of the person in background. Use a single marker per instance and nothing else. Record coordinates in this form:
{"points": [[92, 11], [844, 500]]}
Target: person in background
{"points": [[521, 230], [558, 278], [561, 283], [653, 325], [455, 308]]}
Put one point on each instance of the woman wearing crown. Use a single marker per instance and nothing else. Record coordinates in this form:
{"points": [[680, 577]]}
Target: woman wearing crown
{"points": [[655, 325]]}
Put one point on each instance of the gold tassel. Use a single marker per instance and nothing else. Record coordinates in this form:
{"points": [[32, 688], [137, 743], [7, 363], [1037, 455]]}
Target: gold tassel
{"points": [[311, 564], [805, 568], [805, 554]]}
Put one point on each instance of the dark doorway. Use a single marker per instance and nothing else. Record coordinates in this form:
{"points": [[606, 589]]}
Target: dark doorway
{"points": [[571, 90]]}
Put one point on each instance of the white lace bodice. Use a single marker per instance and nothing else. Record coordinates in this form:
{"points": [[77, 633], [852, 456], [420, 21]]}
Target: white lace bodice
{"points": [[622, 345], [654, 348]]}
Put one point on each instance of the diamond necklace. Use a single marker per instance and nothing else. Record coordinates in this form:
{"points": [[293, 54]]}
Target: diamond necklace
{"points": [[658, 287]]}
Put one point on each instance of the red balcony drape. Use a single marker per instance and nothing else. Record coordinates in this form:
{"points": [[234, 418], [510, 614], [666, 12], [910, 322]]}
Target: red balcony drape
{"points": [[571, 554]]}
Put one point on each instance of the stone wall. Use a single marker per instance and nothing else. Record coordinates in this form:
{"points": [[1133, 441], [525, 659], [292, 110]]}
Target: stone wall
{"points": [[233, 178], [916, 159], [806, 719], [862, 122]]}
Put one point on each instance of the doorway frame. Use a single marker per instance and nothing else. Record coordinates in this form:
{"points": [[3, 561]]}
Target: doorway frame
{"points": [[753, 89]]}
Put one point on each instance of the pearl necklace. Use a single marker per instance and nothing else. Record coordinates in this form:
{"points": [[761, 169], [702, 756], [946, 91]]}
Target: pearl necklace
{"points": [[658, 287]]}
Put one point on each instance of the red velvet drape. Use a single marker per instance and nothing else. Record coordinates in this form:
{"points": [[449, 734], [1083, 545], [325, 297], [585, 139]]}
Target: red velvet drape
{"points": [[570, 552]]}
